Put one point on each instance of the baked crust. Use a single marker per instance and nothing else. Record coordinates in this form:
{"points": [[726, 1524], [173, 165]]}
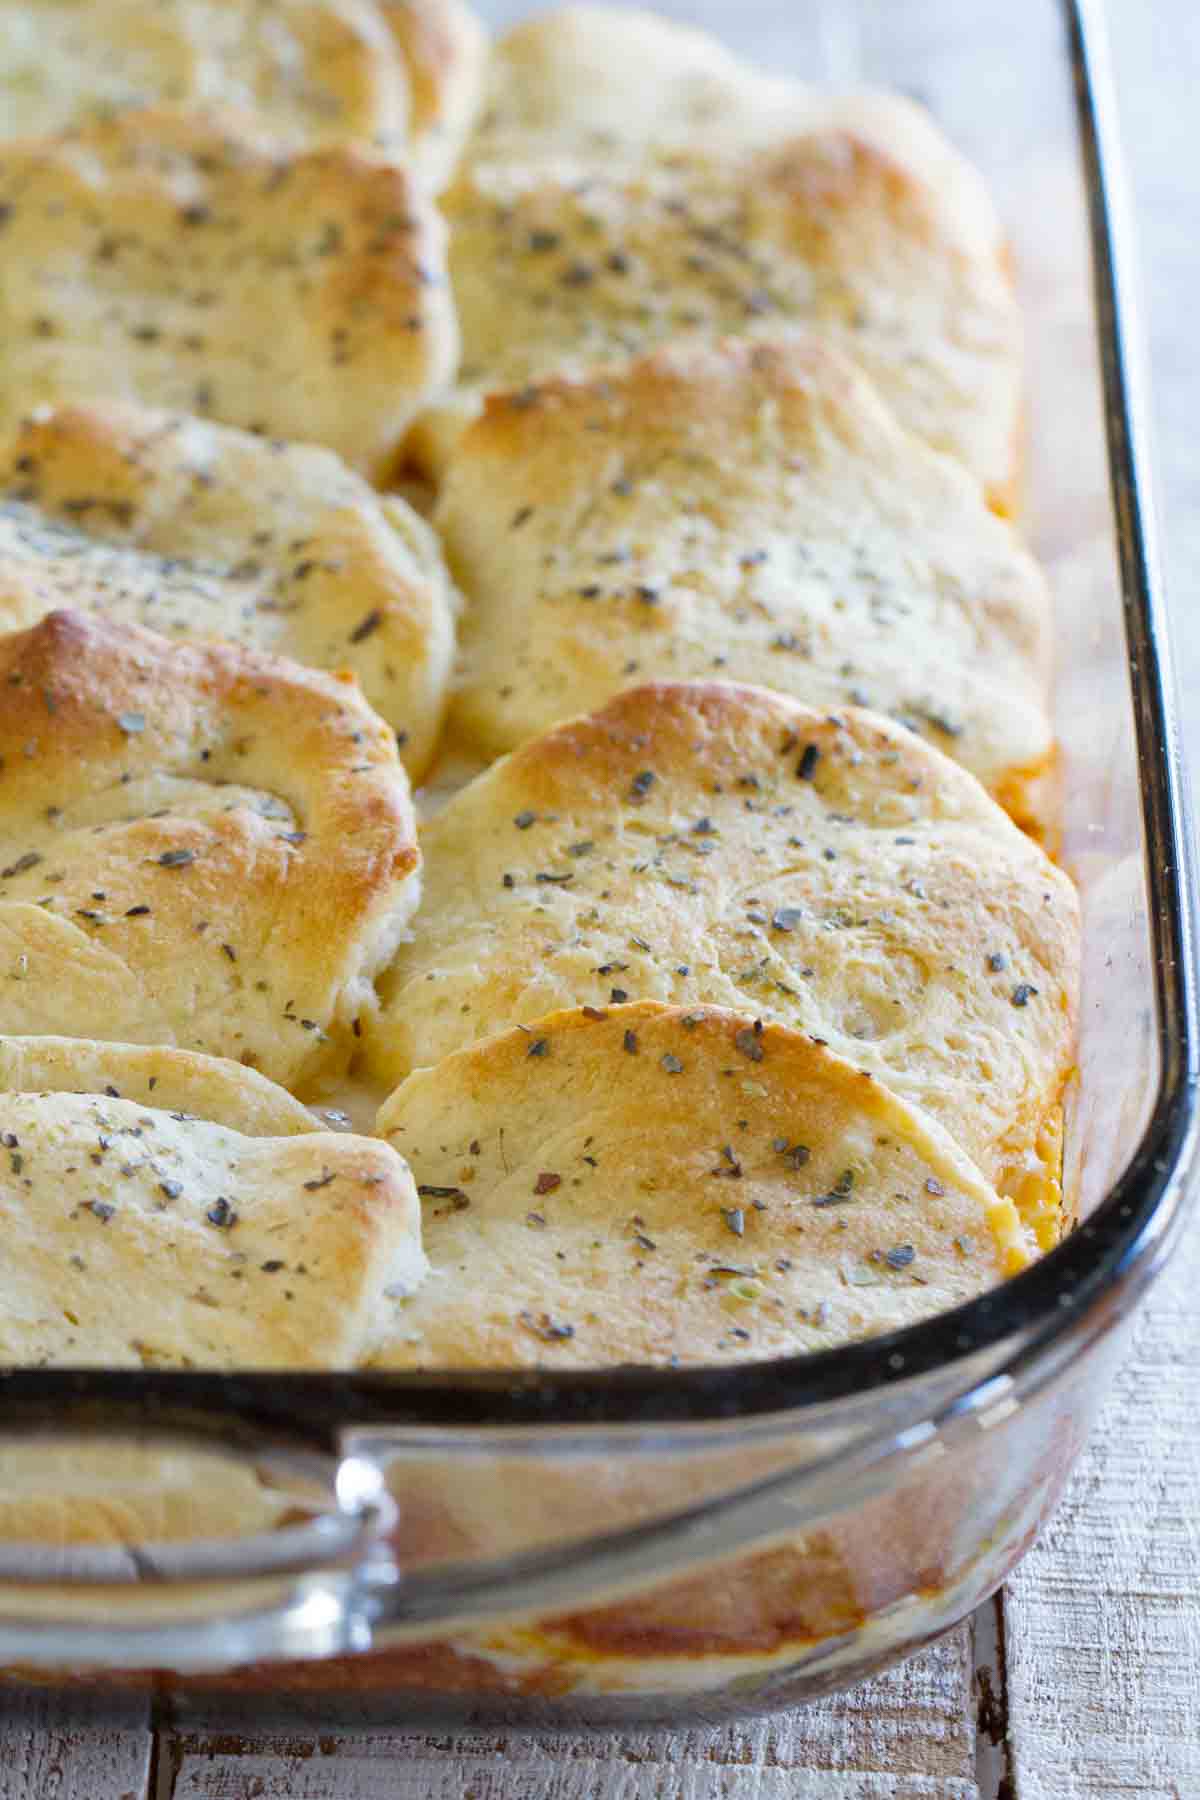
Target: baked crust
{"points": [[702, 843], [214, 1088], [201, 530], [138, 1232], [199, 846], [401, 75], [651, 1184], [186, 261], [78, 1491], [618, 82], [445, 51], [750, 511], [631, 183]]}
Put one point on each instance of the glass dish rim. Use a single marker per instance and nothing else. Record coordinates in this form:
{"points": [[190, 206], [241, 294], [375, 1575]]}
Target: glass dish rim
{"points": [[1115, 1245]]}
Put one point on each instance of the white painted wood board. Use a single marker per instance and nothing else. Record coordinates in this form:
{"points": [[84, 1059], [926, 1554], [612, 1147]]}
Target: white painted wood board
{"points": [[908, 1735], [57, 1746]]}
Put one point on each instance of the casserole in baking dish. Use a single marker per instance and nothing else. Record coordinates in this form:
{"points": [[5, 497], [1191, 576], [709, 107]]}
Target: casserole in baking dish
{"points": [[642, 1540]]}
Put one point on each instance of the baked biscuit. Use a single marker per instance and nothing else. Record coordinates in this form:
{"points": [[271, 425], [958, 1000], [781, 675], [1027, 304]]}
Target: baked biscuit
{"points": [[187, 262], [445, 51], [211, 1087], [80, 1491], [200, 530], [617, 82], [148, 1230], [848, 215], [199, 846], [749, 511], [401, 75], [649, 1184], [718, 844]]}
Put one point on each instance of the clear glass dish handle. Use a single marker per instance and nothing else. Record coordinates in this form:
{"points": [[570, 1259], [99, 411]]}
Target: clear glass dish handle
{"points": [[348, 1564], [292, 1592], [339, 1579]]}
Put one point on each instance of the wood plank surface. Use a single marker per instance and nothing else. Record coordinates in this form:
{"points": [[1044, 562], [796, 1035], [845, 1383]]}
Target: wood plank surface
{"points": [[908, 1735], [480, 1778], [1102, 1620], [72, 1747]]}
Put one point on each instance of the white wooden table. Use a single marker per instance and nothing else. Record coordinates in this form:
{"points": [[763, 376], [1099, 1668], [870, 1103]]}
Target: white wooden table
{"points": [[1083, 1679]]}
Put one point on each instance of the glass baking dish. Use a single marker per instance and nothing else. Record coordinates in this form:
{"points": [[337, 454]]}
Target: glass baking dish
{"points": [[571, 1548]]}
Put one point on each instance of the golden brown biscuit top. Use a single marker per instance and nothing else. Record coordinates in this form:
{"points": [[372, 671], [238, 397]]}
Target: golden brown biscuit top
{"points": [[140, 1230], [743, 511], [187, 261], [210, 1087], [402, 75], [198, 846], [713, 844], [587, 227], [201, 530], [648, 1183], [616, 82]]}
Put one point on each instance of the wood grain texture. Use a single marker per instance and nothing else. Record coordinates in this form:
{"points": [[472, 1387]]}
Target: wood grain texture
{"points": [[909, 1733], [1102, 1620], [480, 1778], [72, 1747]]}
